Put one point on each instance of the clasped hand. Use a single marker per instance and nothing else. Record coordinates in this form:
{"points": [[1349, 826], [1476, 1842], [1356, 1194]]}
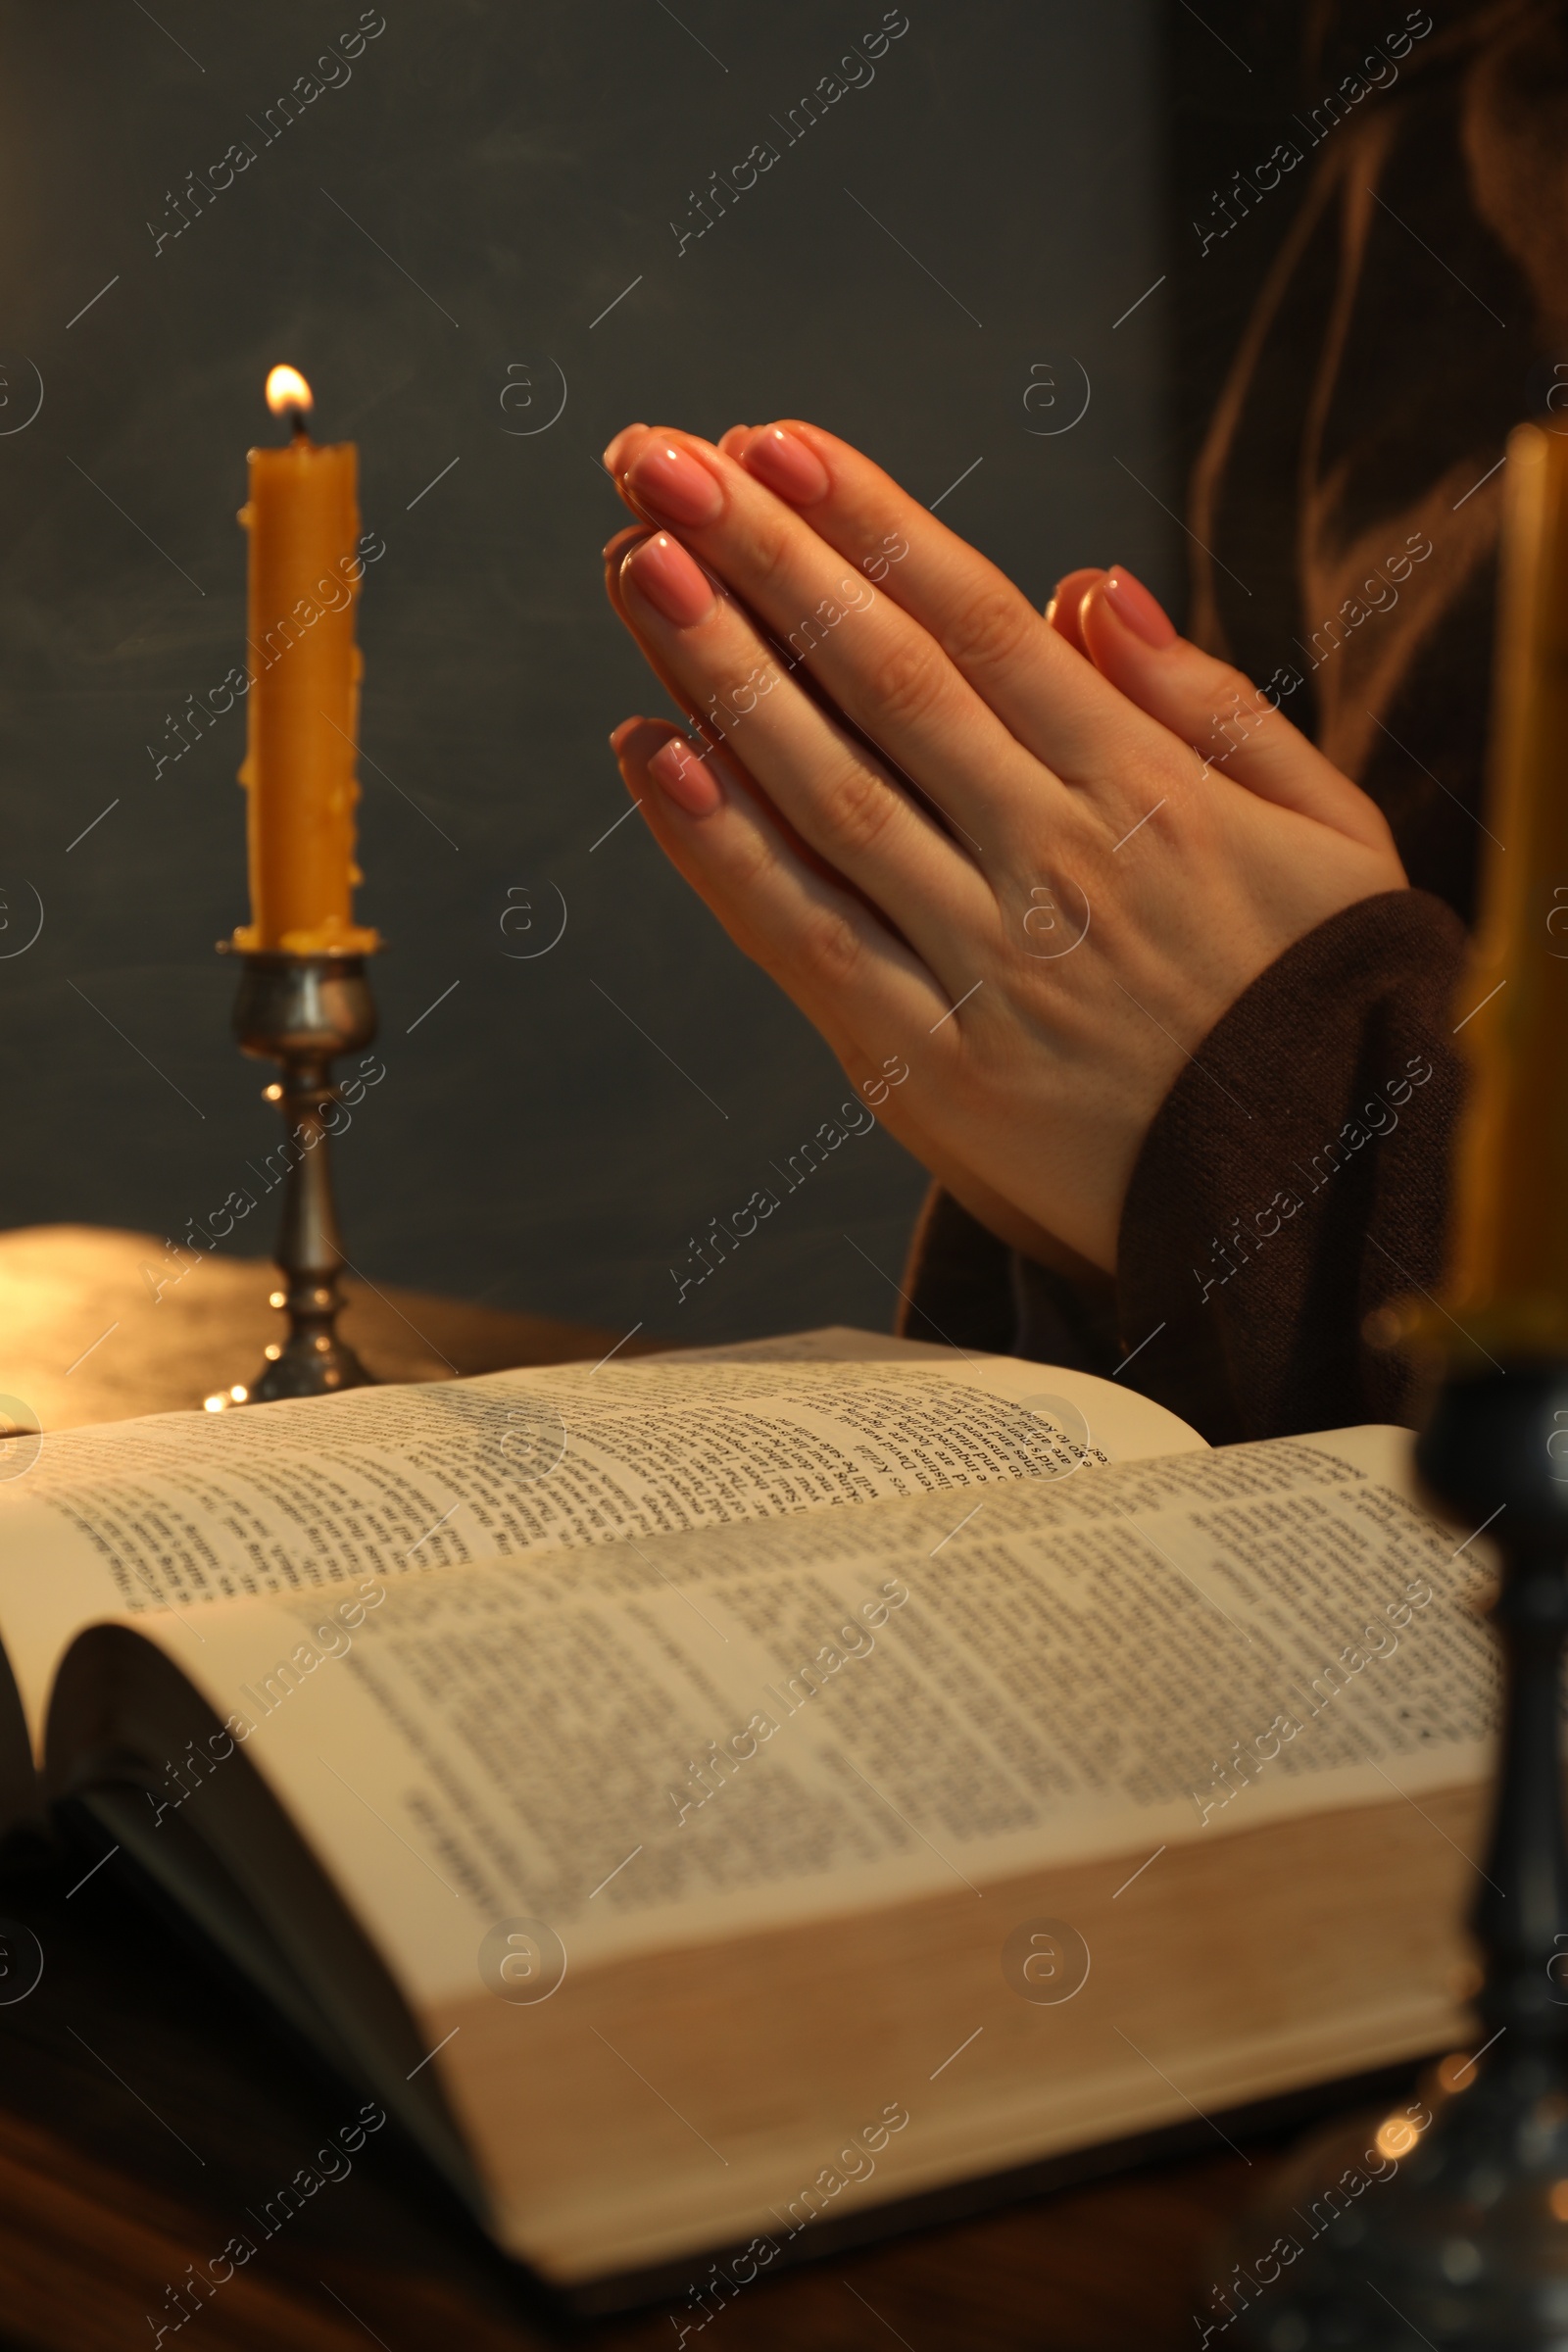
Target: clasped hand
{"points": [[1035, 858]]}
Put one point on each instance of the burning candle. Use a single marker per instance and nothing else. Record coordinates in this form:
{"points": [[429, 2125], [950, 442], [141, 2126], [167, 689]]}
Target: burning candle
{"points": [[1508, 1282], [306, 565]]}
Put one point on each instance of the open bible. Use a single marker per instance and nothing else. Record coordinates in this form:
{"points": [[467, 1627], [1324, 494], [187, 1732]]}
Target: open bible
{"points": [[705, 1795]]}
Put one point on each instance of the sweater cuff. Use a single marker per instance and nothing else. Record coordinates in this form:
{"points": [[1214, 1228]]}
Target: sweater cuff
{"points": [[956, 1287], [964, 1285]]}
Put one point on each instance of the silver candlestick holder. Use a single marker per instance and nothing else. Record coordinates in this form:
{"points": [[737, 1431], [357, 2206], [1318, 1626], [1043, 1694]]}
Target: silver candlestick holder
{"points": [[301, 1011]]}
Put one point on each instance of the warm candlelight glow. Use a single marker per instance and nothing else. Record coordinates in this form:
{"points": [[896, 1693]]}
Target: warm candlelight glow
{"points": [[1398, 2136], [1453, 2069], [287, 389]]}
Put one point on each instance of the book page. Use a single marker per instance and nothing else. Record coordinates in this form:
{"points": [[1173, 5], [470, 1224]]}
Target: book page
{"points": [[187, 1509], [824, 1343], [681, 1740]]}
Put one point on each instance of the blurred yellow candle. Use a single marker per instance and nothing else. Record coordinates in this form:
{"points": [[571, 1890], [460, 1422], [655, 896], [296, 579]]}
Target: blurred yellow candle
{"points": [[303, 517], [1508, 1257]]}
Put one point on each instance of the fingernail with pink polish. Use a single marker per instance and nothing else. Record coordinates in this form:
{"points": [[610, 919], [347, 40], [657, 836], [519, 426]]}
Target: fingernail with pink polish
{"points": [[616, 450], [1133, 605], [673, 584], [685, 778], [784, 462], [668, 480]]}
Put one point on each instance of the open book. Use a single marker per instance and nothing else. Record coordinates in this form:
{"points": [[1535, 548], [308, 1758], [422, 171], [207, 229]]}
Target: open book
{"points": [[707, 1794]]}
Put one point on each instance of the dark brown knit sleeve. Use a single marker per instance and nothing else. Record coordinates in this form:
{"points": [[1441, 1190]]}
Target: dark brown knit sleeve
{"points": [[1297, 1179], [957, 1283], [964, 1285]]}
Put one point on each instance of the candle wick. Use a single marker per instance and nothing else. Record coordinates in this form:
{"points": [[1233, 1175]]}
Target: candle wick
{"points": [[297, 425]]}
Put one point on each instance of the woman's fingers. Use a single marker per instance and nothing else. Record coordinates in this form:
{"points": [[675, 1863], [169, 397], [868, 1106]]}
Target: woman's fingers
{"points": [[882, 669], [616, 551], [1062, 610], [1235, 726], [1039, 1038], [856, 984], [823, 944], [1016, 662], [834, 793]]}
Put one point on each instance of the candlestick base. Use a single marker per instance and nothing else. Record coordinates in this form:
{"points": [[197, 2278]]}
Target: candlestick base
{"points": [[1438, 2222], [300, 1011]]}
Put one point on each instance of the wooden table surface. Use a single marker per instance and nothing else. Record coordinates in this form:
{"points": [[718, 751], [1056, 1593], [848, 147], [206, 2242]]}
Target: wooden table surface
{"points": [[95, 1326], [147, 2100]]}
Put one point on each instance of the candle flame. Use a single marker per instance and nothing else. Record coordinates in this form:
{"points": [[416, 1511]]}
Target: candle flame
{"points": [[287, 389]]}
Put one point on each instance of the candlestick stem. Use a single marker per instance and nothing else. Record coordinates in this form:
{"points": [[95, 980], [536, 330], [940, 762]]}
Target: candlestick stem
{"points": [[300, 1011], [1520, 1918]]}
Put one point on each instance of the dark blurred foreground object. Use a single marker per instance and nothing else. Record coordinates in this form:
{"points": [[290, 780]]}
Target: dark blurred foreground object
{"points": [[1464, 2246]]}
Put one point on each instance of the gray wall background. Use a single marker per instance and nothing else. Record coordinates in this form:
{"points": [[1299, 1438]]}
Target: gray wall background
{"points": [[468, 204]]}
